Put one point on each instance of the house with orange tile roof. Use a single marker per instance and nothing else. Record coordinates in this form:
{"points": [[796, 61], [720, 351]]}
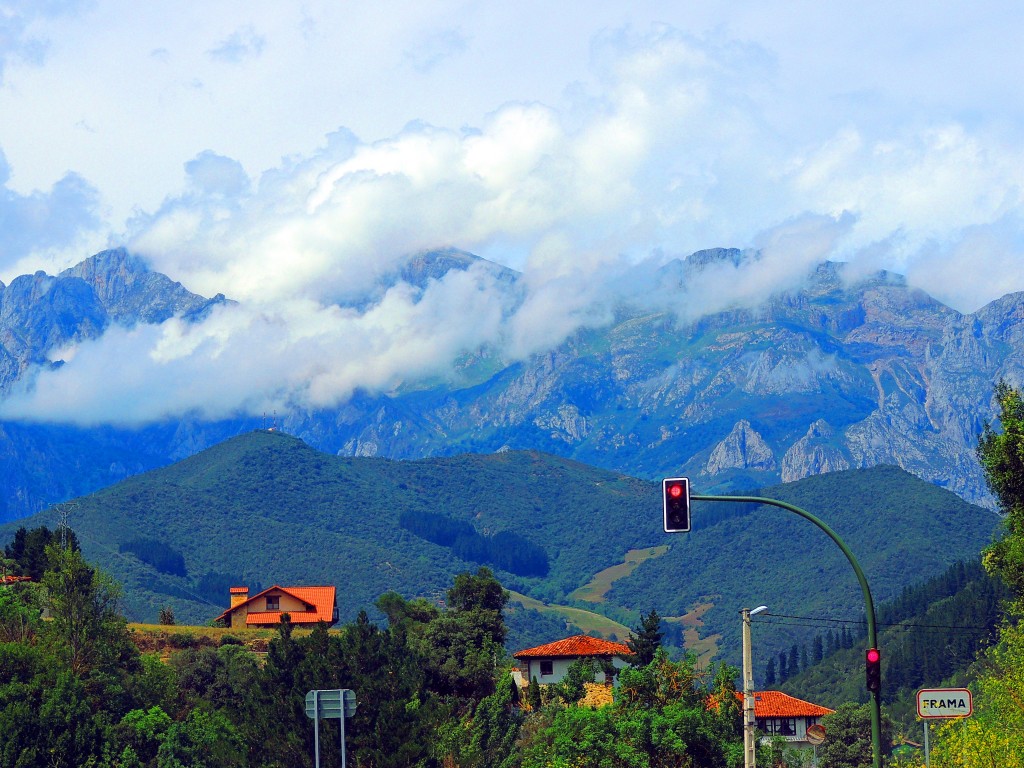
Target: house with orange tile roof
{"points": [[549, 662], [779, 714], [304, 606]]}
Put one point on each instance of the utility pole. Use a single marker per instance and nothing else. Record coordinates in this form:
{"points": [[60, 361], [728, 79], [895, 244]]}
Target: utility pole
{"points": [[749, 743]]}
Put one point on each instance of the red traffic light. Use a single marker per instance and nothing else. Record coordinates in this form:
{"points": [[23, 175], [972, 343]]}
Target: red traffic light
{"points": [[676, 500], [873, 670]]}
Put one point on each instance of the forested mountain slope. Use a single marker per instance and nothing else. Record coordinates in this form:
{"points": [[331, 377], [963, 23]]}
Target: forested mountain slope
{"points": [[266, 508]]}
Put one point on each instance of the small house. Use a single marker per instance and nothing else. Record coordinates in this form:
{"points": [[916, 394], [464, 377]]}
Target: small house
{"points": [[304, 605], [779, 714], [549, 663]]}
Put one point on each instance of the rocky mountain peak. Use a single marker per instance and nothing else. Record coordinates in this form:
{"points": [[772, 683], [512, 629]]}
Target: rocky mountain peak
{"points": [[130, 292], [743, 448]]}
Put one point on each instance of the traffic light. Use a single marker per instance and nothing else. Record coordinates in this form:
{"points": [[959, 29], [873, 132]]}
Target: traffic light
{"points": [[873, 669], [676, 493]]}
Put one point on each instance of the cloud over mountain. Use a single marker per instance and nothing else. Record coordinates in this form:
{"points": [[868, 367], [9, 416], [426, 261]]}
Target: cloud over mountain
{"points": [[672, 142]]}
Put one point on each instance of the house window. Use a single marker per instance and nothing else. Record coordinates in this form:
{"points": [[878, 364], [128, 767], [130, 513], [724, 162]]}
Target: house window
{"points": [[547, 668], [274, 603], [777, 726]]}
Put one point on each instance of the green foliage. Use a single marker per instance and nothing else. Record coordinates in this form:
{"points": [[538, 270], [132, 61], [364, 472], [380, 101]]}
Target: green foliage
{"points": [[203, 740], [991, 736], [1002, 458], [20, 613], [957, 611], [533, 694], [572, 687], [661, 717], [87, 630], [646, 640], [27, 550], [849, 737]]}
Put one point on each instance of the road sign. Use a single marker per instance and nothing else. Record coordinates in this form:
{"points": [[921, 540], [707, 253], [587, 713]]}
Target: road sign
{"points": [[331, 704], [944, 702], [816, 734]]}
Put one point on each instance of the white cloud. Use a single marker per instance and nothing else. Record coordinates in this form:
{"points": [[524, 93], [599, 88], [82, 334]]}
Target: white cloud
{"points": [[45, 227], [241, 44], [578, 161]]}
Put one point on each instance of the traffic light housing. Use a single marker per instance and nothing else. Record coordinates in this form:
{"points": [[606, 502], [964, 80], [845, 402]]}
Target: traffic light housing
{"points": [[676, 496], [873, 669]]}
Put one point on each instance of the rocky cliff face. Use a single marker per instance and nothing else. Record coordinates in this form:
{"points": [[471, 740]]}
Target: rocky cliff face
{"points": [[40, 314], [833, 376]]}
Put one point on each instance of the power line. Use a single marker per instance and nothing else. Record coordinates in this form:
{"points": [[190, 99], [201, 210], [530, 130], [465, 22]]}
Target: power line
{"points": [[817, 621]]}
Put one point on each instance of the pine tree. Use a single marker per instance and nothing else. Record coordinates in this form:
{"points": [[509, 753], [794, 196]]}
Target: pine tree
{"points": [[783, 670], [533, 694], [646, 640], [769, 673], [818, 652]]}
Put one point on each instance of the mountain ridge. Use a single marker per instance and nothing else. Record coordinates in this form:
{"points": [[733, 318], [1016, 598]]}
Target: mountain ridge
{"points": [[265, 507], [838, 374]]}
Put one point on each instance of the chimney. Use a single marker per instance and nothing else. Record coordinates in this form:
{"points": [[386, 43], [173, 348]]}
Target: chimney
{"points": [[238, 595]]}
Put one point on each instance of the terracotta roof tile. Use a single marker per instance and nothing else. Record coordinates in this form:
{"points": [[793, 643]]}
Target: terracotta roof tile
{"points": [[274, 617], [779, 704], [580, 645]]}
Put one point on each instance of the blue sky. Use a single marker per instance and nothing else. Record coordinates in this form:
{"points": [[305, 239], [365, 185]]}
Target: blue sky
{"points": [[288, 154]]}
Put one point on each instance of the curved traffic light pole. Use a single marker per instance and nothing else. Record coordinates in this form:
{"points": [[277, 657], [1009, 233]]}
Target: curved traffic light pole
{"points": [[869, 605]]}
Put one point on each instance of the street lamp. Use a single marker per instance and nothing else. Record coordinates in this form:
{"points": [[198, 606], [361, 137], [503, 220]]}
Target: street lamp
{"points": [[749, 758]]}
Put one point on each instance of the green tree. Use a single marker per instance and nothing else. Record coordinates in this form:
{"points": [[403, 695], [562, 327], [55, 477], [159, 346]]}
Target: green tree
{"points": [[19, 614], [573, 685], [991, 736], [460, 647], [533, 694], [144, 731], [87, 630], [28, 549], [849, 737], [660, 718], [645, 640], [203, 740], [391, 725], [1002, 458]]}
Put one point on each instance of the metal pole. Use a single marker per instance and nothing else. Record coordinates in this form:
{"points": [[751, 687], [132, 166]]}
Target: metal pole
{"points": [[749, 756], [316, 726], [927, 752], [342, 720], [869, 605]]}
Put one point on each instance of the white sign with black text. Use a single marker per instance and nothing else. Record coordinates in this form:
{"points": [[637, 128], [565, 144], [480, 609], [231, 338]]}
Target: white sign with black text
{"points": [[944, 702]]}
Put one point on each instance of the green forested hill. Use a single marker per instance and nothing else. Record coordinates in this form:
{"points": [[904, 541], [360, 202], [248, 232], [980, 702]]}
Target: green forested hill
{"points": [[901, 529], [265, 508], [929, 636]]}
